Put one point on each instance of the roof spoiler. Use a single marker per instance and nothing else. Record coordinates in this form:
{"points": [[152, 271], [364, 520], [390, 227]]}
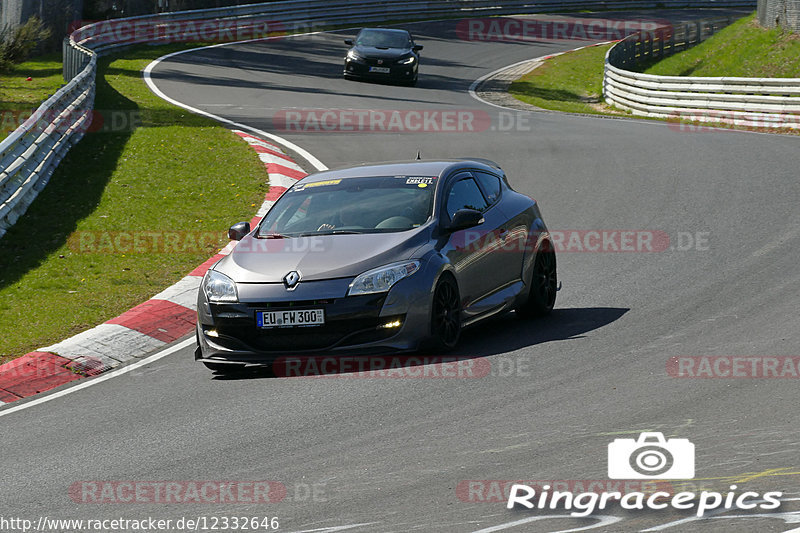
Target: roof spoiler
{"points": [[487, 162]]}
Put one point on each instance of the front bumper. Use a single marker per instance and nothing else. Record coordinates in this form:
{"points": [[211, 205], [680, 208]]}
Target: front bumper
{"points": [[371, 324], [397, 72]]}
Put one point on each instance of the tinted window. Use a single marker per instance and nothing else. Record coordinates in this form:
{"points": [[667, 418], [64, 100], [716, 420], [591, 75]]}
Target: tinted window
{"points": [[465, 194], [378, 204], [490, 184]]}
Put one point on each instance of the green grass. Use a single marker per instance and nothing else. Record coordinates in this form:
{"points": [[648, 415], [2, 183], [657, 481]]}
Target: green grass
{"points": [[18, 94], [741, 49], [175, 172], [571, 82]]}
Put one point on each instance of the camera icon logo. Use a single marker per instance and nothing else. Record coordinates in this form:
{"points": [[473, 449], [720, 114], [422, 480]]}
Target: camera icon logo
{"points": [[651, 457]]}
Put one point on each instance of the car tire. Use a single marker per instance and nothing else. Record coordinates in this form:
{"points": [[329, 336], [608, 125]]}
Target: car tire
{"points": [[224, 369], [445, 315], [413, 81], [543, 283]]}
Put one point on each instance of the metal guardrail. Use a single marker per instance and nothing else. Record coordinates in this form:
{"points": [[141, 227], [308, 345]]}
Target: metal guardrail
{"points": [[751, 102], [31, 153]]}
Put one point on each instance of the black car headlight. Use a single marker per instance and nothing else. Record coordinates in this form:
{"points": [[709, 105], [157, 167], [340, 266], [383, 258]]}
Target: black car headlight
{"points": [[408, 60], [381, 279], [219, 288]]}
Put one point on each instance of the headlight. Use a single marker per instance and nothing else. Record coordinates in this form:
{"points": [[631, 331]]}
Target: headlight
{"points": [[354, 56], [408, 60], [219, 287], [381, 279]]}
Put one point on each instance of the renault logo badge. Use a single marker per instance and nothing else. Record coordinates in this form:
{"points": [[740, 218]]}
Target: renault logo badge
{"points": [[291, 279]]}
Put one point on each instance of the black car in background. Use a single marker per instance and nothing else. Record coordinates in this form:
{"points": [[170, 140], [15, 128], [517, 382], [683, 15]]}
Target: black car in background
{"points": [[385, 54]]}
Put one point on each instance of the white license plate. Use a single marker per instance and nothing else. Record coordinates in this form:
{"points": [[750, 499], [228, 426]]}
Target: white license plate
{"points": [[290, 319], [382, 70]]}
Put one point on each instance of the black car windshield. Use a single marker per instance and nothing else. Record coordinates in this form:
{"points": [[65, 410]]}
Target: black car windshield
{"points": [[383, 39], [382, 204]]}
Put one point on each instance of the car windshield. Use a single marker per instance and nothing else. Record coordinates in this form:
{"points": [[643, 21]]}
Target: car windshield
{"points": [[383, 39], [382, 204]]}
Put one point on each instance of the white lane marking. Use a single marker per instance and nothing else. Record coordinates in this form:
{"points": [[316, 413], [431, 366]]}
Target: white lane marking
{"points": [[789, 517], [146, 73], [104, 377], [603, 520], [472, 88]]}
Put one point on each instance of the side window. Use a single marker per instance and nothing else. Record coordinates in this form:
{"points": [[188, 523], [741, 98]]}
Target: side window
{"points": [[465, 194], [490, 184]]}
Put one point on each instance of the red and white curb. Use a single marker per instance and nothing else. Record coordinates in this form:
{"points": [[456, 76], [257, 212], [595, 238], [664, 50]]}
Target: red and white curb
{"points": [[166, 317]]}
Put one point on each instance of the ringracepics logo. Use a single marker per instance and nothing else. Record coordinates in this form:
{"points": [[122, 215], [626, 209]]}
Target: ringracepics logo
{"points": [[649, 457]]}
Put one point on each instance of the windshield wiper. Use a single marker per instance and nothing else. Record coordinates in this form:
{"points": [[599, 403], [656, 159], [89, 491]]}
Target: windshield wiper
{"points": [[273, 236], [332, 232]]}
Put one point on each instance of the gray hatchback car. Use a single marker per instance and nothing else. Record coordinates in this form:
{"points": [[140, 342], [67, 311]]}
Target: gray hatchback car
{"points": [[377, 258]]}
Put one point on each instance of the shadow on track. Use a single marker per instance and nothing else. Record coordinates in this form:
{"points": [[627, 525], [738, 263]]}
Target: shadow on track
{"points": [[493, 337]]}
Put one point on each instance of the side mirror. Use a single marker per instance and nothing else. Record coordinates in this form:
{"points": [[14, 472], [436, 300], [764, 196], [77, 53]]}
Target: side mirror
{"points": [[348, 41], [465, 218], [417, 47], [238, 231]]}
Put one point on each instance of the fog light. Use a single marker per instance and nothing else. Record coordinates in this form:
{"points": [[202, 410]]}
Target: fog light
{"points": [[212, 333], [392, 324]]}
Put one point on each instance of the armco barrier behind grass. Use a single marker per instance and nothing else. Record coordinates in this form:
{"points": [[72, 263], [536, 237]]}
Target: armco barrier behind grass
{"points": [[151, 170], [769, 104]]}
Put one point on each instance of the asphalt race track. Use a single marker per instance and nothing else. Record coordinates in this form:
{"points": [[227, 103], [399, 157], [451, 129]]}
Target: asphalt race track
{"points": [[391, 455]]}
